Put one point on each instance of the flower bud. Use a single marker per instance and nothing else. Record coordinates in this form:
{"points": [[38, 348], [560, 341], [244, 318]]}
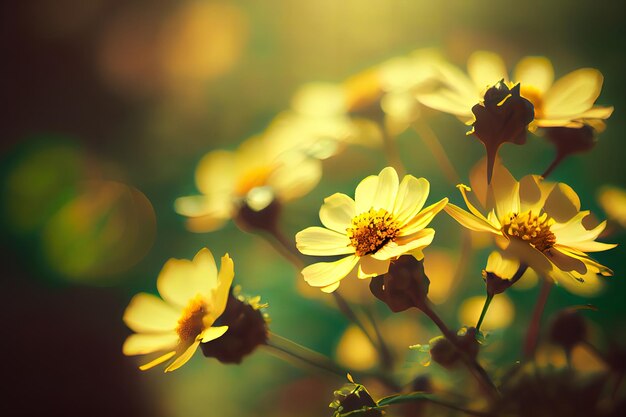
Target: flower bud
{"points": [[352, 397], [447, 354], [405, 285], [503, 116], [247, 329], [571, 140], [568, 329]]}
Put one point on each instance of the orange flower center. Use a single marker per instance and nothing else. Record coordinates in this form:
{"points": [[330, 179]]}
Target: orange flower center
{"points": [[256, 177], [191, 322], [372, 230], [531, 228], [533, 95]]}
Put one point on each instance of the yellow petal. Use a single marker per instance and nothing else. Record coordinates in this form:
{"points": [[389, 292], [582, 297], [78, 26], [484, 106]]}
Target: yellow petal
{"points": [[422, 219], [158, 361], [503, 267], [215, 173], [295, 178], [535, 71], [181, 280], [205, 224], [564, 262], [212, 333], [371, 267], [562, 203], [184, 358], [386, 190], [574, 231], [330, 288], [597, 112], [148, 313], [450, 101], [412, 195], [573, 94], [337, 212], [364, 194], [323, 274], [469, 220], [406, 244], [533, 192], [486, 69], [222, 289], [318, 241], [143, 343]]}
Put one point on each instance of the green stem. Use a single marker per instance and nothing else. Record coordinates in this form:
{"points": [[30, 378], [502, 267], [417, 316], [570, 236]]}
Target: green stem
{"points": [[485, 308], [391, 150], [433, 144], [279, 344], [474, 367]]}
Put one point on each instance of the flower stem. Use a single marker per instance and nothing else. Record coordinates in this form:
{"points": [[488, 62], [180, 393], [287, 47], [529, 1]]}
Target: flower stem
{"points": [[533, 328], [485, 308], [285, 247], [557, 160], [391, 150], [281, 345], [433, 144], [386, 357], [474, 367]]}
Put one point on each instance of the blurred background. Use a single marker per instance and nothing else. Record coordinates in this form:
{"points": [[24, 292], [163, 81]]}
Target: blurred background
{"points": [[110, 104]]}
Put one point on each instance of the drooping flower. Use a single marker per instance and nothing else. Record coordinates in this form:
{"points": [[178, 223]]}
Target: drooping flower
{"points": [[566, 102], [248, 181], [383, 222], [194, 296], [535, 221]]}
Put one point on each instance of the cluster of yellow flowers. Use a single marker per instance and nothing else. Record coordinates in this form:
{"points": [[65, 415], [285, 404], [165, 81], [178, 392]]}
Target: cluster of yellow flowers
{"points": [[535, 224]]}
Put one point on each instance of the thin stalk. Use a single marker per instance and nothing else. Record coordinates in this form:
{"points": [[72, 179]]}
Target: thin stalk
{"points": [[281, 345], [485, 308], [557, 160], [385, 352], [392, 153], [433, 144], [532, 333], [474, 367], [285, 247]]}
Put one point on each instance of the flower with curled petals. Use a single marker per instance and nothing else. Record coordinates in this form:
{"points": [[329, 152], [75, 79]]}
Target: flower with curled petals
{"points": [[566, 102], [194, 297], [383, 222], [536, 221]]}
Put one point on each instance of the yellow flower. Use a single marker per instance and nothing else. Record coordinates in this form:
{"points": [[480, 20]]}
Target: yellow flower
{"points": [[383, 222], [258, 173], [319, 123], [613, 202], [566, 102], [194, 296], [535, 221]]}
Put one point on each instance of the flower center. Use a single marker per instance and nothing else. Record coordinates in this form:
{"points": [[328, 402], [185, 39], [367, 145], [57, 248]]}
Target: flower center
{"points": [[533, 95], [371, 231], [191, 323], [256, 177], [531, 228]]}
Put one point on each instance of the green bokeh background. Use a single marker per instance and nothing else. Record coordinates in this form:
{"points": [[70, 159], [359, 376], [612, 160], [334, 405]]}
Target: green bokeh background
{"points": [[88, 96]]}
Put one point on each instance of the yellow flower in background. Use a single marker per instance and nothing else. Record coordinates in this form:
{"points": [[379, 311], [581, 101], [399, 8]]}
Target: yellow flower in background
{"points": [[535, 221], [258, 173], [613, 202], [383, 222], [566, 102], [319, 124], [194, 297]]}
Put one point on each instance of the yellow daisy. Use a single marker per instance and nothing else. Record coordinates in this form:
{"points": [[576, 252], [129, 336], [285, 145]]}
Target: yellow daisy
{"points": [[258, 173], [535, 221], [383, 222], [194, 296], [566, 102]]}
